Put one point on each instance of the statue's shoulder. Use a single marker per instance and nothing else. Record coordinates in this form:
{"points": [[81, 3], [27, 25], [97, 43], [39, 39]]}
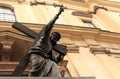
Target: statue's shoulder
{"points": [[60, 48]]}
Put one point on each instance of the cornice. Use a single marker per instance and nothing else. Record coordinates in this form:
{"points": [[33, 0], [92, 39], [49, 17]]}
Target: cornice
{"points": [[69, 30], [15, 35], [72, 49], [82, 13], [36, 2], [96, 8], [109, 52], [108, 3], [110, 6], [95, 51], [74, 2], [6, 4]]}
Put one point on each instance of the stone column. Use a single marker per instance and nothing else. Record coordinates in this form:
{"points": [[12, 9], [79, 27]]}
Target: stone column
{"points": [[94, 65]]}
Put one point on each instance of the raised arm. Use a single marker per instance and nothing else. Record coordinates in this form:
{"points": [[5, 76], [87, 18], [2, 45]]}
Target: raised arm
{"points": [[47, 29]]}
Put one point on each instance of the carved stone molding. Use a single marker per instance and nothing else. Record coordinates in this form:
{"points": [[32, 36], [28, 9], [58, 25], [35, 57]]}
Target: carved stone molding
{"points": [[74, 49], [7, 68], [81, 13], [99, 51], [79, 0], [45, 3], [109, 52], [6, 50], [97, 8], [36, 3], [20, 1], [62, 67]]}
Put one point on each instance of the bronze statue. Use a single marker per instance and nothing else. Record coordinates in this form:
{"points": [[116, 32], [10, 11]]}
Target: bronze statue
{"points": [[41, 64], [40, 53]]}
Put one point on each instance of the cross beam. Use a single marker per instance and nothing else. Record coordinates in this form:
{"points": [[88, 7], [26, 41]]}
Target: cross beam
{"points": [[25, 60]]}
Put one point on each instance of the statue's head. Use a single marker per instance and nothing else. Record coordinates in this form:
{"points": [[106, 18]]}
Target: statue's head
{"points": [[55, 36]]}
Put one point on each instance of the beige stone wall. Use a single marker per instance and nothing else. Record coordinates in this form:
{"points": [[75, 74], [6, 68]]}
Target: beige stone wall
{"points": [[107, 20], [42, 14], [99, 64], [79, 39]]}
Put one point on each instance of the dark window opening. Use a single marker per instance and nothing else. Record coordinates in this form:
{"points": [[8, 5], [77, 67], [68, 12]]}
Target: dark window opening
{"points": [[89, 24]]}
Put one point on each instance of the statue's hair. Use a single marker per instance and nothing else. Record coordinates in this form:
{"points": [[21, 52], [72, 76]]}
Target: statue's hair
{"points": [[58, 34]]}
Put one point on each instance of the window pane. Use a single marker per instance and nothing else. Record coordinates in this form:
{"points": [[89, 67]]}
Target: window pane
{"points": [[89, 24], [6, 14], [1, 16]]}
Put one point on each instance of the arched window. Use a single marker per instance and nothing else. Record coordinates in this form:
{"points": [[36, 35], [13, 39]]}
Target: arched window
{"points": [[6, 14]]}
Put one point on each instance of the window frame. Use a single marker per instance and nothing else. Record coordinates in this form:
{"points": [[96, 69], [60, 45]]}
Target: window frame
{"points": [[11, 14], [91, 24]]}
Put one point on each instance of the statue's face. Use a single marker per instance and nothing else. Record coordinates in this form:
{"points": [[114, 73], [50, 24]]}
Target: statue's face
{"points": [[55, 37]]}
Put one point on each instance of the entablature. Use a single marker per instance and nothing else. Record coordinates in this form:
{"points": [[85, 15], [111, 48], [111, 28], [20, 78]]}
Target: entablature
{"points": [[69, 31]]}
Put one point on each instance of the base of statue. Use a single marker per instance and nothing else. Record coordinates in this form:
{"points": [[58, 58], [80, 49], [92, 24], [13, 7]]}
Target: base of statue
{"points": [[47, 78]]}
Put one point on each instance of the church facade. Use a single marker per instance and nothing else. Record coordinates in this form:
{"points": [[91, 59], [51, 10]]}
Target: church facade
{"points": [[89, 29]]}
